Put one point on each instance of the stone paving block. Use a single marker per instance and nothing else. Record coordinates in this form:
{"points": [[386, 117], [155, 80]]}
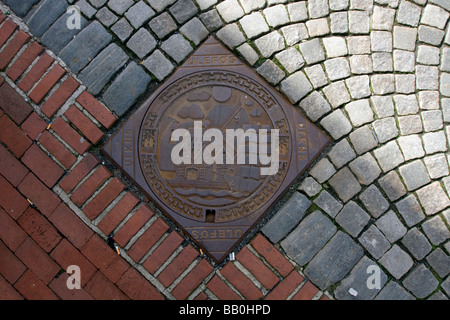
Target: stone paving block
{"points": [[341, 153], [336, 93], [311, 235], [421, 281], [446, 285], [437, 166], [406, 104], [195, 31], [337, 68], [410, 210], [363, 140], [445, 66], [391, 226], [205, 4], [231, 35], [414, 175], [126, 88], [310, 187], [271, 72], [335, 46], [358, 45], [359, 86], [122, 29], [358, 22], [158, 65], [297, 11], [396, 261], [106, 17], [318, 8], [365, 168], [440, 262], [142, 43], [352, 218], [291, 60], [381, 41], [361, 64], [416, 243], [410, 124], [254, 25], [85, 46], [20, 7], [58, 35], [374, 242], [430, 35], [177, 47], [405, 38], [276, 15], [432, 120], [359, 112], [296, 86], [339, 22], [43, 15], [445, 84], [270, 44], [383, 18], [334, 261], [294, 33], [405, 83], [345, 184], [357, 280], [336, 124], [183, 10], [434, 142], [382, 61], [428, 55], [337, 5], [86, 8], [323, 170], [436, 230], [162, 25], [287, 217], [394, 291], [411, 147], [248, 53], [408, 13], [230, 10], [385, 129], [212, 20], [97, 3], [374, 201], [434, 16], [328, 203], [433, 198], [120, 6], [97, 74], [139, 14], [315, 106], [392, 186], [404, 61], [427, 77], [252, 5], [160, 5], [312, 51], [317, 27], [383, 106]]}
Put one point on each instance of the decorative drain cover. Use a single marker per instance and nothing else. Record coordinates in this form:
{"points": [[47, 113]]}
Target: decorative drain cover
{"points": [[215, 147]]}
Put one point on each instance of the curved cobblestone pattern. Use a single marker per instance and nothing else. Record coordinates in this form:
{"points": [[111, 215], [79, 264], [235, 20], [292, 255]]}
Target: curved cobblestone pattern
{"points": [[374, 74]]}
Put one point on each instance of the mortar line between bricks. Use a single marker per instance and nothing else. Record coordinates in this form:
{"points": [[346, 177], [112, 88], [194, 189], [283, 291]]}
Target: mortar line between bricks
{"points": [[209, 294], [18, 54], [96, 192], [201, 286], [140, 232], [105, 212], [249, 275], [177, 281], [57, 137], [90, 173], [225, 280], [128, 217], [11, 37], [174, 254], [50, 68]]}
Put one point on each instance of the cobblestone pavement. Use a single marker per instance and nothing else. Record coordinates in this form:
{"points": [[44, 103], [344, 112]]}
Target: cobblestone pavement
{"points": [[374, 74]]}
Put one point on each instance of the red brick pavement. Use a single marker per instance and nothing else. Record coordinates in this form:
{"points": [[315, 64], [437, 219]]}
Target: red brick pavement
{"points": [[58, 204]]}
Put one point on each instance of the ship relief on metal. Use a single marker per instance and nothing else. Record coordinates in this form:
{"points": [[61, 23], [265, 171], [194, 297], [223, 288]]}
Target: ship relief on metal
{"points": [[215, 147]]}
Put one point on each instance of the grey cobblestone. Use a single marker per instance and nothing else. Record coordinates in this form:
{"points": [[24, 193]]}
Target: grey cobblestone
{"points": [[139, 14], [374, 201], [254, 25], [352, 218], [385, 129], [291, 59], [270, 44], [391, 226], [411, 147], [396, 261], [310, 186], [433, 198], [336, 124], [345, 184], [437, 166], [294, 33], [430, 35], [365, 168], [337, 94], [315, 106], [440, 262], [410, 210], [158, 65], [328, 203], [106, 17], [421, 281], [410, 124], [177, 47], [142, 43], [230, 10], [276, 15], [296, 86], [363, 140], [163, 25], [408, 13], [359, 112], [416, 243], [392, 186], [341, 153], [436, 230], [122, 29], [312, 51], [414, 175], [271, 72], [195, 31], [317, 27], [374, 242], [120, 6], [183, 10], [394, 291]]}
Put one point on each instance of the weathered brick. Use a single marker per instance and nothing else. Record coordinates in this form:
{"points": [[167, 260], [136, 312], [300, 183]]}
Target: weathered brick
{"points": [[99, 111], [104, 198], [306, 292], [42, 166], [100, 288], [57, 149], [8, 292], [88, 187], [36, 72], [192, 280], [135, 286], [12, 48], [118, 213], [98, 252], [11, 233], [84, 124], [148, 240], [164, 250], [70, 225], [78, 173], [286, 287], [59, 286], [132, 226], [245, 286], [272, 255], [34, 125], [47, 83], [68, 134], [24, 61], [178, 265], [15, 139], [264, 275], [11, 168], [6, 31], [221, 290], [32, 288], [11, 268], [13, 104], [11, 200], [60, 96]]}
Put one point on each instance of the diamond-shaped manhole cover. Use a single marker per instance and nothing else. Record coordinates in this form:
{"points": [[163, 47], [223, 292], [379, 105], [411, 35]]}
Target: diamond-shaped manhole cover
{"points": [[215, 147]]}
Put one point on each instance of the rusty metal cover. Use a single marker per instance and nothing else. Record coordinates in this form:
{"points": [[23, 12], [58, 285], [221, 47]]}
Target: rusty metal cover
{"points": [[215, 204]]}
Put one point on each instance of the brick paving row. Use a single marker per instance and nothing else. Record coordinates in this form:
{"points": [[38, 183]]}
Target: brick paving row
{"points": [[374, 74]]}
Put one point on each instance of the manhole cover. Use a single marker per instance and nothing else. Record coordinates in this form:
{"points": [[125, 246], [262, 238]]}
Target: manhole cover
{"points": [[215, 147]]}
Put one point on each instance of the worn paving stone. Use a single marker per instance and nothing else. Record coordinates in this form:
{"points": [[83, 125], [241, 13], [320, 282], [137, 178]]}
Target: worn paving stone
{"points": [[311, 235], [410, 210], [357, 280], [85, 46], [177, 47], [158, 65], [334, 261], [414, 175], [381, 41], [270, 44], [361, 64], [139, 14], [408, 13], [97, 74], [231, 35], [126, 88], [160, 5], [294, 33], [434, 16], [142, 43], [359, 86], [405, 38], [291, 60], [20, 8], [374, 201], [359, 112], [271, 72], [385, 129], [421, 281], [122, 29], [394, 291], [183, 10], [374, 241], [440, 262], [43, 15], [337, 94], [248, 53], [296, 86], [163, 25], [391, 226], [336, 124], [310, 187], [230, 10], [328, 203], [323, 170], [120, 6], [287, 217], [383, 18], [337, 68], [434, 142], [352, 218], [437, 166], [339, 22], [345, 184], [316, 75], [315, 106], [297, 11], [106, 17], [254, 25], [365, 168], [195, 31], [341, 153], [416, 243], [363, 139], [411, 147], [410, 125], [396, 261], [276, 15], [86, 8], [436, 230], [318, 8], [392, 186], [433, 198], [430, 35], [212, 20], [383, 106], [312, 51], [317, 27]]}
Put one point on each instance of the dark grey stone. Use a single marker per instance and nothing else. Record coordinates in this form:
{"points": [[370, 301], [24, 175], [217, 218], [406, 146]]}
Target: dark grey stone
{"points": [[58, 36], [97, 74], [440, 262], [374, 241], [21, 7], [328, 203], [416, 243], [309, 237], [126, 88], [287, 217], [334, 261], [352, 218], [86, 45], [177, 47], [122, 29], [397, 261], [421, 282], [162, 25], [105, 16], [44, 15], [436, 230], [374, 201], [410, 210], [183, 10], [357, 280], [212, 20], [394, 291], [391, 226]]}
